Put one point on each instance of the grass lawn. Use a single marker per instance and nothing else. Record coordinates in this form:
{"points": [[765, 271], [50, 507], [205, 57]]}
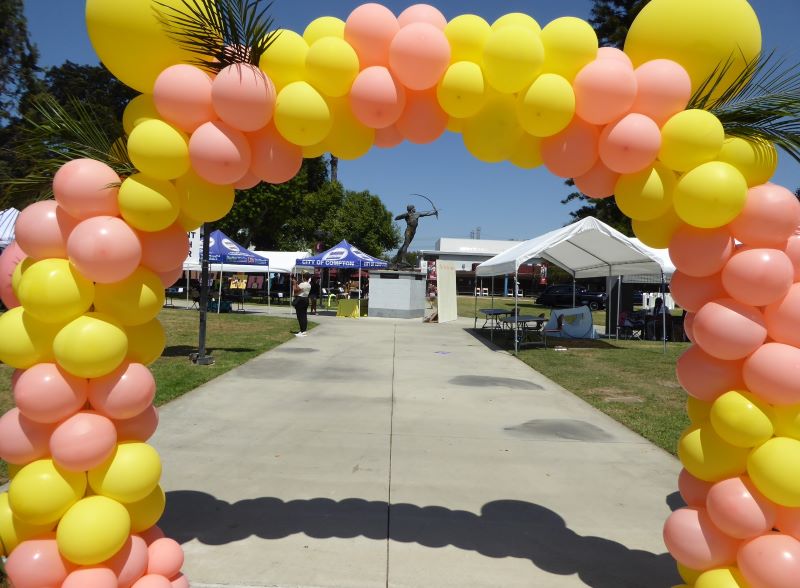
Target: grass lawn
{"points": [[632, 381], [232, 339]]}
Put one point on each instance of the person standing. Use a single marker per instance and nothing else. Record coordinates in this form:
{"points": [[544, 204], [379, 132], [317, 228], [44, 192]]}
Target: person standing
{"points": [[301, 292], [314, 294]]}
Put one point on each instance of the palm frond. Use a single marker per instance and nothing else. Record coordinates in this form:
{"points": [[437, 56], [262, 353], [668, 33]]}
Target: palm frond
{"points": [[59, 135], [220, 32], [761, 104]]}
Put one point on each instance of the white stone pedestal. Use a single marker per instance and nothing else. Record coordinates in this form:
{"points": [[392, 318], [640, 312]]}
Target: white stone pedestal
{"points": [[396, 294]]}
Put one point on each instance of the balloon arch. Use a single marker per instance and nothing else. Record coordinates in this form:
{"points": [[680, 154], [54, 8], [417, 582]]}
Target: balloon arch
{"points": [[86, 277]]}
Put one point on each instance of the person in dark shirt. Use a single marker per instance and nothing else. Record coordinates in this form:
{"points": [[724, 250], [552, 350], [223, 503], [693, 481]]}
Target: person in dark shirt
{"points": [[313, 296]]}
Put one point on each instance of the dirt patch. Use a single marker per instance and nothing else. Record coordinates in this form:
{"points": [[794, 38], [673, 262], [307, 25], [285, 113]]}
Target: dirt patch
{"points": [[616, 395]]}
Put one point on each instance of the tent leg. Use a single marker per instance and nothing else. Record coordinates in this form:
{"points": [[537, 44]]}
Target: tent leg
{"points": [[491, 336], [663, 313], [516, 315], [475, 313], [619, 301], [201, 358]]}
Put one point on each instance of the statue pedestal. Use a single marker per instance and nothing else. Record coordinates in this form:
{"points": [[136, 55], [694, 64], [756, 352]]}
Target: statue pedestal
{"points": [[397, 294]]}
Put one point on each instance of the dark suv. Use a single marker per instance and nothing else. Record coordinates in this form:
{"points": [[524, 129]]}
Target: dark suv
{"points": [[561, 295]]}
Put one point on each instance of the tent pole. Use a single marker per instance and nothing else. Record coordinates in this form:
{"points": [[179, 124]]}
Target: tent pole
{"points": [[573, 290], [475, 313], [663, 313], [516, 313], [619, 301], [491, 336], [359, 289], [202, 358], [219, 294], [187, 286], [269, 289]]}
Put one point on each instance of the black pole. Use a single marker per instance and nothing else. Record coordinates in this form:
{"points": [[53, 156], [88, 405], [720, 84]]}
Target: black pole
{"points": [[200, 358]]}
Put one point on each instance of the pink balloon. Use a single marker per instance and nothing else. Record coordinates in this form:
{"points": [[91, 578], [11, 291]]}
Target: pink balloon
{"points": [[388, 137], [86, 188], [182, 95], [705, 377], [792, 250], [423, 120], [739, 509], [727, 329], [180, 581], [770, 561], [248, 180], [758, 276], [376, 98], [42, 230], [783, 318], [663, 89], [573, 151], [773, 372], [693, 539], [243, 96], [630, 144], [604, 91], [770, 216], [95, 577], [47, 394], [83, 441], [105, 249], [220, 154], [139, 428], [419, 55], [124, 393], [151, 534], [129, 563], [598, 182], [37, 564], [700, 252], [688, 325], [168, 278], [152, 581], [21, 439], [787, 521], [693, 490], [9, 259], [422, 13], [692, 293], [370, 29], [275, 160], [615, 54], [163, 251], [165, 557]]}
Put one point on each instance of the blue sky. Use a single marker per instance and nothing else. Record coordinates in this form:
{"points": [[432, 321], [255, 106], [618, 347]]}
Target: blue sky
{"points": [[506, 202]]}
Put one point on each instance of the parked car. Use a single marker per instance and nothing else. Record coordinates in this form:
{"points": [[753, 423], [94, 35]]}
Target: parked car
{"points": [[561, 295]]}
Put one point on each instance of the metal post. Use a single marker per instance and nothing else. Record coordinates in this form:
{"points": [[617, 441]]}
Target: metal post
{"points": [[619, 301], [200, 358], [573, 291], [663, 313], [219, 294], [516, 313]]}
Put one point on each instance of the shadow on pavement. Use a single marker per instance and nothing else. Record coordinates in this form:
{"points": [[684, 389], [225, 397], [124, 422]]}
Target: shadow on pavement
{"points": [[504, 528]]}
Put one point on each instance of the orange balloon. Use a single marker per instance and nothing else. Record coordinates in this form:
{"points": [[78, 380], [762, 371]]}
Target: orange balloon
{"points": [[419, 55], [771, 214], [700, 252], [598, 182], [727, 329], [370, 29], [274, 159], [692, 293], [423, 120], [604, 91], [573, 151], [705, 377], [377, 98]]}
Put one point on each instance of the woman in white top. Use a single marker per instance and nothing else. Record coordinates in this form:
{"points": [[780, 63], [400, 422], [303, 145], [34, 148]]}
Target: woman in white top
{"points": [[301, 291]]}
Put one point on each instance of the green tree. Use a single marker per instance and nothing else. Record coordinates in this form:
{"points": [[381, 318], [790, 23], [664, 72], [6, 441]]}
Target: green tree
{"points": [[18, 57], [365, 222]]}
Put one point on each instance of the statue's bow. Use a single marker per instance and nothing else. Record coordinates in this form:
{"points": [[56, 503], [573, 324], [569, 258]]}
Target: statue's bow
{"points": [[435, 210]]}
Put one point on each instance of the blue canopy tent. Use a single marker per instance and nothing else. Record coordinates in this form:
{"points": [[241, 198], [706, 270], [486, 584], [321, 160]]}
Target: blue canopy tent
{"points": [[344, 256], [223, 250]]}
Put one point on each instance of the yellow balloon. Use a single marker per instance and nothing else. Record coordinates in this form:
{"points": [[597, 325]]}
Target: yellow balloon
{"points": [[455, 125], [324, 26], [569, 44], [462, 90], [705, 455], [13, 470], [301, 115], [91, 346], [14, 530], [786, 420], [646, 195], [467, 35], [130, 41], [140, 109], [773, 468], [698, 411], [285, 60], [53, 291], [547, 107], [314, 151], [188, 223], [517, 19], [711, 195], [688, 574], [93, 530], [203, 200], [528, 152], [42, 492], [512, 58], [147, 203], [721, 578], [146, 512], [159, 150], [129, 475], [16, 276], [331, 66], [146, 342], [756, 160], [658, 232], [492, 135], [26, 341], [133, 301], [700, 36], [741, 419], [348, 138], [690, 138]]}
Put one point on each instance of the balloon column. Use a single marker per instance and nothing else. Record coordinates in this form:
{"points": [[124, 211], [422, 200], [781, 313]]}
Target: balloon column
{"points": [[85, 280]]}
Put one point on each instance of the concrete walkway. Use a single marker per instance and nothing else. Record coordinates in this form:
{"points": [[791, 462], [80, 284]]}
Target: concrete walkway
{"points": [[392, 453]]}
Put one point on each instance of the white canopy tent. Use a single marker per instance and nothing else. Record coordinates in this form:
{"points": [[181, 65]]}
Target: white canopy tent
{"points": [[588, 248], [8, 218]]}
